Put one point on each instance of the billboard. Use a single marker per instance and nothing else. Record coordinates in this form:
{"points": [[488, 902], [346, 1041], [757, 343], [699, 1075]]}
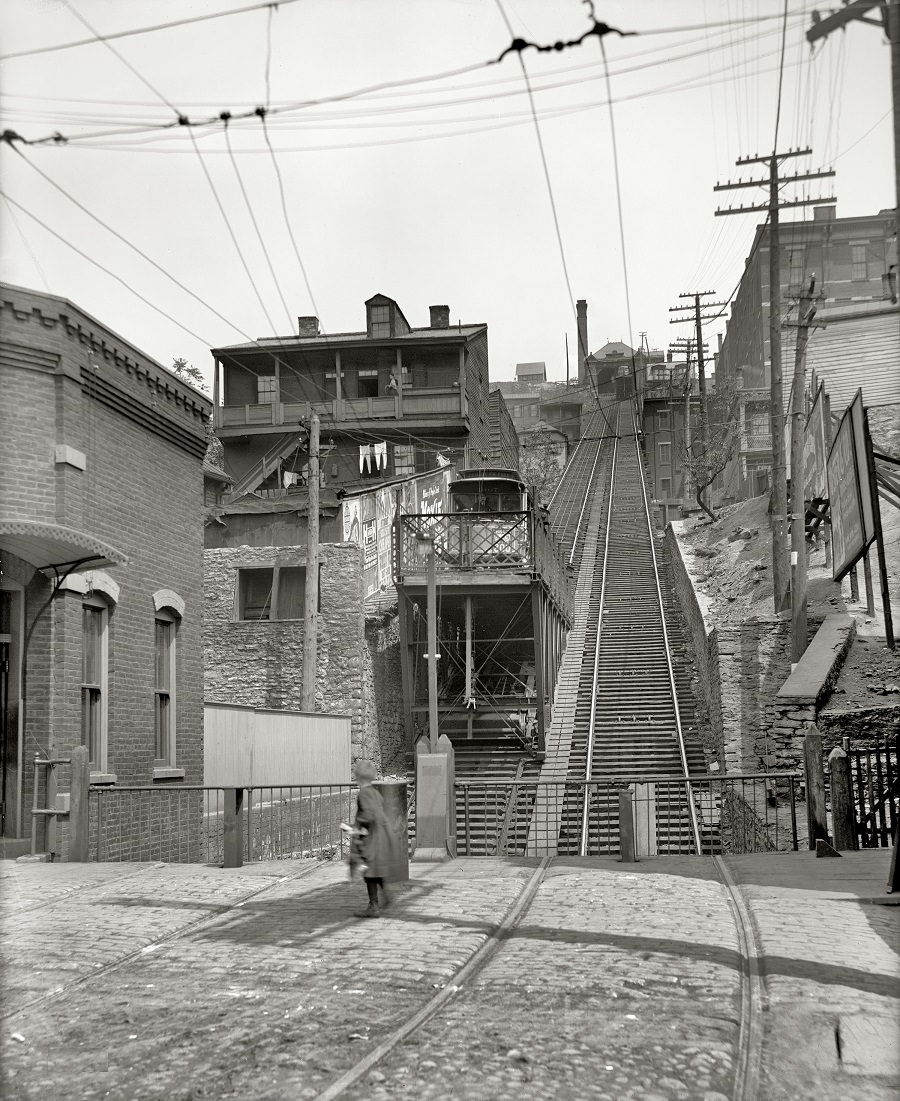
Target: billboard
{"points": [[367, 519], [850, 491], [815, 482]]}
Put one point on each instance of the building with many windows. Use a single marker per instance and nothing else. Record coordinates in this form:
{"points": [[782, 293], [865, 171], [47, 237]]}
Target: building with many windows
{"points": [[101, 552], [854, 262], [392, 401], [398, 408]]}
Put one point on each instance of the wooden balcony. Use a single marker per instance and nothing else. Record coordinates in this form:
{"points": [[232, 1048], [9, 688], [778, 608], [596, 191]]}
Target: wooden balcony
{"points": [[418, 405]]}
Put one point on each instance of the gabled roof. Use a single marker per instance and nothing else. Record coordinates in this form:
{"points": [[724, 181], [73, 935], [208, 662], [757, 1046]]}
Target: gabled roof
{"points": [[454, 333], [613, 348]]}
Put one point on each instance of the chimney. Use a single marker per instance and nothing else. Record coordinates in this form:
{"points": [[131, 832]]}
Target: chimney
{"points": [[307, 326], [581, 316], [440, 317]]}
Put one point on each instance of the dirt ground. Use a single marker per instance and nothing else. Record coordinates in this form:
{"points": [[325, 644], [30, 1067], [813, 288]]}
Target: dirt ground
{"points": [[730, 560]]}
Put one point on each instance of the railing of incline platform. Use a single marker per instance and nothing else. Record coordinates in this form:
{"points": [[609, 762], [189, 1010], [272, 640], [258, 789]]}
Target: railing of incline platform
{"points": [[482, 541], [740, 813]]}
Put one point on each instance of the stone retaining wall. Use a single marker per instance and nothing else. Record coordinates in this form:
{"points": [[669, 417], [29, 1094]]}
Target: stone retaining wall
{"points": [[260, 663], [742, 668], [383, 723]]}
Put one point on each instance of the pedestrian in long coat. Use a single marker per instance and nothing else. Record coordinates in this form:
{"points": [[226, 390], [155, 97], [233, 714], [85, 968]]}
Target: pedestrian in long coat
{"points": [[375, 842]]}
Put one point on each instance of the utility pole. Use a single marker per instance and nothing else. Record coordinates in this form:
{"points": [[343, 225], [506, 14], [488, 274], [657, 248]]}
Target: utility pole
{"points": [[686, 346], [776, 395], [890, 24], [798, 495], [311, 593], [698, 320]]}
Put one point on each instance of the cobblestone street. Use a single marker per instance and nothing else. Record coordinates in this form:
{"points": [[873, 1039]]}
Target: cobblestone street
{"points": [[617, 981]]}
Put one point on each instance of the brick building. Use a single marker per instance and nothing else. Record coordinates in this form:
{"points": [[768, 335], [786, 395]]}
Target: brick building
{"points": [[854, 261], [101, 504]]}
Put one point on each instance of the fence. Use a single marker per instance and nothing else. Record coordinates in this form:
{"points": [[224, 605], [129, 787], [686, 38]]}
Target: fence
{"points": [[192, 824], [187, 824], [747, 813], [875, 784]]}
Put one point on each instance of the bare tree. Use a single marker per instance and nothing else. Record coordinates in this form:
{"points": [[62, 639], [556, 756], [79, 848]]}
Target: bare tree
{"points": [[189, 373], [539, 463], [704, 462]]}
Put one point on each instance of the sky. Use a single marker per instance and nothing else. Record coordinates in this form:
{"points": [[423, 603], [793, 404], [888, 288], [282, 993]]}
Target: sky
{"points": [[399, 153]]}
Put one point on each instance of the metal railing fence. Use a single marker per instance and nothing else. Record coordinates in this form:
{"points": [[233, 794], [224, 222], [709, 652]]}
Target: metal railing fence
{"points": [[746, 813], [187, 824], [875, 787]]}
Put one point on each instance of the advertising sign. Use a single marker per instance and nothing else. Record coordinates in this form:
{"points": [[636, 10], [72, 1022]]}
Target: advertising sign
{"points": [[385, 516], [370, 547], [815, 482], [849, 492], [368, 520]]}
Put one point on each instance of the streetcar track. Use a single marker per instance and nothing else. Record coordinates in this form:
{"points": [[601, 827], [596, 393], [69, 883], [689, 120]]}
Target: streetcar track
{"points": [[43, 903], [753, 993], [747, 1045], [206, 918], [476, 962]]}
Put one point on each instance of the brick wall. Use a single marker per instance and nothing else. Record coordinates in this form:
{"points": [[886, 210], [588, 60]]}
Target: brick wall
{"points": [[260, 663], [70, 381]]}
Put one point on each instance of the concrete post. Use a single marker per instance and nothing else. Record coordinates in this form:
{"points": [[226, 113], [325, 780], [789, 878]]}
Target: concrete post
{"points": [[79, 806], [626, 828], [234, 828], [434, 790], [815, 787], [445, 746], [394, 796], [842, 816], [645, 843]]}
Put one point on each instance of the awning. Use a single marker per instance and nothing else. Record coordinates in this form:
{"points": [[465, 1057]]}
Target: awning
{"points": [[52, 545]]}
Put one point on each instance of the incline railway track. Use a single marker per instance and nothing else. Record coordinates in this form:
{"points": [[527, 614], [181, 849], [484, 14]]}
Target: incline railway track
{"points": [[570, 504], [616, 718], [627, 719], [621, 715]]}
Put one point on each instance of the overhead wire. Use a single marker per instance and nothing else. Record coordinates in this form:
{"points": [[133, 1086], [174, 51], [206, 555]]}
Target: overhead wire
{"points": [[612, 130], [125, 62], [237, 117], [255, 224], [143, 30], [26, 243]]}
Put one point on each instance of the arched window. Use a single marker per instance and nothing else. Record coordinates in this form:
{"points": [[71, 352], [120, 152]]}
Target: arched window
{"points": [[164, 689], [169, 608], [94, 680]]}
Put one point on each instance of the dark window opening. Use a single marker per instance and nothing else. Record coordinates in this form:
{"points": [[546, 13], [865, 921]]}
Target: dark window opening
{"points": [[271, 593]]}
